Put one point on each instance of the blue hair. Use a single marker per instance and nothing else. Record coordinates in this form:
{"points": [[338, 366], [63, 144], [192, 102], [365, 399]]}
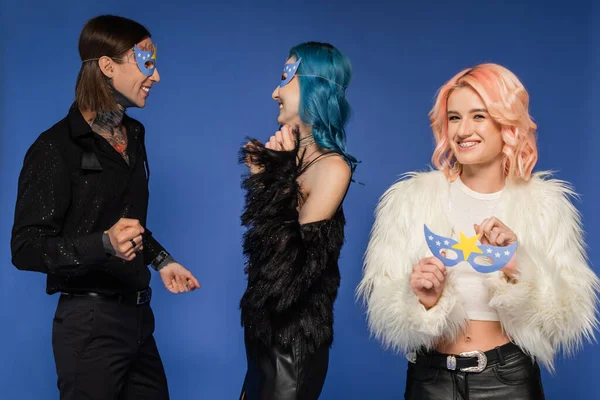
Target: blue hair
{"points": [[323, 103]]}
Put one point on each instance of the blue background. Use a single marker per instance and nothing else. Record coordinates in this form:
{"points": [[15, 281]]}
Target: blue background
{"points": [[219, 65]]}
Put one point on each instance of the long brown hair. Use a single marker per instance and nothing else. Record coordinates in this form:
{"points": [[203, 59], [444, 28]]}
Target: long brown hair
{"points": [[105, 35]]}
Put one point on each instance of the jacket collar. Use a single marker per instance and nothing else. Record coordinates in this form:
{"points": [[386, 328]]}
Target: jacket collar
{"points": [[83, 135]]}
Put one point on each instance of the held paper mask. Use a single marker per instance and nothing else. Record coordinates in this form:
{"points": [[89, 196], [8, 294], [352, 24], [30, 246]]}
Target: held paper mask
{"points": [[483, 259]]}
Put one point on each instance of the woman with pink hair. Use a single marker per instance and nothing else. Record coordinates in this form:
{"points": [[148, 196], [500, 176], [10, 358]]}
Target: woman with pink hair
{"points": [[476, 271]]}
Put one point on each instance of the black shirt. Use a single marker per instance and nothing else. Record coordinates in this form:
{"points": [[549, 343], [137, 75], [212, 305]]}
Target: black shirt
{"points": [[74, 186]]}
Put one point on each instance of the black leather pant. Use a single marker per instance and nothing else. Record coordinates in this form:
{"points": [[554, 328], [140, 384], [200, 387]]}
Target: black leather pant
{"points": [[516, 377], [277, 373]]}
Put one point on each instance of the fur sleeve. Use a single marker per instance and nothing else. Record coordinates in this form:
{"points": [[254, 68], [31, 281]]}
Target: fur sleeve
{"points": [[553, 304], [284, 258], [395, 315]]}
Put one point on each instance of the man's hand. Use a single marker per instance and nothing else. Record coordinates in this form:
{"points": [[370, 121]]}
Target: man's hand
{"points": [[126, 238], [177, 279]]}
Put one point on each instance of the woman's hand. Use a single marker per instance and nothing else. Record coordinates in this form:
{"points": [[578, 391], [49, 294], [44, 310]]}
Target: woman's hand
{"points": [[428, 280], [282, 140], [493, 232]]}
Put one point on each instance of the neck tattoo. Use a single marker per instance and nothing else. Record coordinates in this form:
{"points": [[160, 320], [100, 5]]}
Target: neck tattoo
{"points": [[109, 126]]}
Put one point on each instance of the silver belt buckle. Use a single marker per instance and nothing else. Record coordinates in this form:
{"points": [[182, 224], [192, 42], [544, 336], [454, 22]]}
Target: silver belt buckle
{"points": [[451, 363], [481, 361]]}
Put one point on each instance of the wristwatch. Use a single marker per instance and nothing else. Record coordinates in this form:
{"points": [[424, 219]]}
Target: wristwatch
{"points": [[159, 262]]}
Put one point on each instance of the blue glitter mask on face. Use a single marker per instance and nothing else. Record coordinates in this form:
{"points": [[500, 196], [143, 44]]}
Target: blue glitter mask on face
{"points": [[290, 70], [146, 60]]}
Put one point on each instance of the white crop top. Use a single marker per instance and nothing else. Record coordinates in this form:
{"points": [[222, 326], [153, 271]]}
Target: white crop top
{"points": [[467, 208]]}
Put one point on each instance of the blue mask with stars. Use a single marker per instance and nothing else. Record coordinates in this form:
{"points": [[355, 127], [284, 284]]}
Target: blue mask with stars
{"points": [[290, 70], [483, 259], [146, 60]]}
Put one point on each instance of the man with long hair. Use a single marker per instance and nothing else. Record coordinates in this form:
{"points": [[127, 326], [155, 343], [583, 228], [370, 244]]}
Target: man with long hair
{"points": [[80, 219]]}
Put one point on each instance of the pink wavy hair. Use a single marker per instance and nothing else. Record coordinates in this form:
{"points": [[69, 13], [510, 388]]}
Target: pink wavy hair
{"points": [[507, 103]]}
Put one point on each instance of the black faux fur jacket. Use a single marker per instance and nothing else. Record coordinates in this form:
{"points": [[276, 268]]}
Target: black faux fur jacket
{"points": [[293, 274]]}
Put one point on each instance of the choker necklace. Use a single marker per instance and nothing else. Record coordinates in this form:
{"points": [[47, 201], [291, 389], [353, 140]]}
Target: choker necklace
{"points": [[306, 141]]}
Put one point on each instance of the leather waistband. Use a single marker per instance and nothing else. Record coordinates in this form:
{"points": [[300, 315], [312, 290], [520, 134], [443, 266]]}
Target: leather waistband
{"points": [[139, 297], [471, 361]]}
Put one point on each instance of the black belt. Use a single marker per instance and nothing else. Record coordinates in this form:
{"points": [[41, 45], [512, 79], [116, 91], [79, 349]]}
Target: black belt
{"points": [[470, 361], [137, 298]]}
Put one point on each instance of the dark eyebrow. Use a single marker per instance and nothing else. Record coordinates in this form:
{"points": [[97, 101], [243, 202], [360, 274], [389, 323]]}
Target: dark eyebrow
{"points": [[470, 112]]}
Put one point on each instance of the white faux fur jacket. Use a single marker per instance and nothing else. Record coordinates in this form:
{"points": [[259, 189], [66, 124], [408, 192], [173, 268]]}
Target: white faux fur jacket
{"points": [[552, 306]]}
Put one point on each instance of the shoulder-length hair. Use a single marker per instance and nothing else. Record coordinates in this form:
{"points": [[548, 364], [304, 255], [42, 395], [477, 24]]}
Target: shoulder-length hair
{"points": [[105, 35], [507, 102], [324, 74]]}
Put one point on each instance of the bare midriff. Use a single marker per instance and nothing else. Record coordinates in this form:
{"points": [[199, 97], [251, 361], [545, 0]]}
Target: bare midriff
{"points": [[479, 335]]}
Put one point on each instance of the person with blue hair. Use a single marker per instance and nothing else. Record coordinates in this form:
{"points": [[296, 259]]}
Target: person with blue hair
{"points": [[295, 224]]}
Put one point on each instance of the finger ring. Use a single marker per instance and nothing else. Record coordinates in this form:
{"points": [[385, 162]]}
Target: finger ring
{"points": [[133, 242]]}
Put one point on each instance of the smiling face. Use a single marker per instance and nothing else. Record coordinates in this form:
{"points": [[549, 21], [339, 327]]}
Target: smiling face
{"points": [[128, 79], [288, 98], [474, 136]]}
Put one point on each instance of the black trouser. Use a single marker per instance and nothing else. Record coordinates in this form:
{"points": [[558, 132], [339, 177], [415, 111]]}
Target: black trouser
{"points": [[513, 376], [278, 373], [104, 349]]}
